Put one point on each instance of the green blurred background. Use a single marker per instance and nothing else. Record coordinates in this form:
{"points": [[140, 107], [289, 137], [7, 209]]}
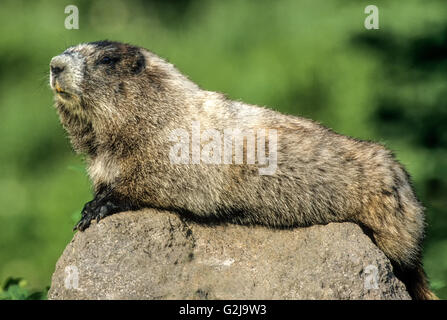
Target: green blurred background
{"points": [[312, 58]]}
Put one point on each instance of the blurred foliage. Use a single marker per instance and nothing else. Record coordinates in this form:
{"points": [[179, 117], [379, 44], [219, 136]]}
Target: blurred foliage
{"points": [[310, 57], [15, 289]]}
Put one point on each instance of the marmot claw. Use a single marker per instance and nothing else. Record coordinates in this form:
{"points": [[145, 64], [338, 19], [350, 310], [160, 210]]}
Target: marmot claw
{"points": [[95, 210]]}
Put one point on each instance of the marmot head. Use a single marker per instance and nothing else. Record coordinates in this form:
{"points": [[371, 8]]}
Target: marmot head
{"points": [[104, 79]]}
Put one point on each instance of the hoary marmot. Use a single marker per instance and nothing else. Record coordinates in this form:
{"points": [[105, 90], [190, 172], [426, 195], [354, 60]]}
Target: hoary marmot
{"points": [[153, 138]]}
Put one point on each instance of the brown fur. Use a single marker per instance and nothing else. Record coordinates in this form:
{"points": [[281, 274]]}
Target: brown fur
{"points": [[121, 115]]}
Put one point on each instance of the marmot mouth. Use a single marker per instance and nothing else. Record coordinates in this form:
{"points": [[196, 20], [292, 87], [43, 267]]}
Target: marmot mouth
{"points": [[64, 94], [61, 93]]}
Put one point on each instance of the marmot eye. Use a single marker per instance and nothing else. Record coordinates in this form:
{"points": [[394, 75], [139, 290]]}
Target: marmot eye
{"points": [[106, 60]]}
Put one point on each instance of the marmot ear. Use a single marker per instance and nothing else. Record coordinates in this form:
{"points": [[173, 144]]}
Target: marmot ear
{"points": [[139, 63]]}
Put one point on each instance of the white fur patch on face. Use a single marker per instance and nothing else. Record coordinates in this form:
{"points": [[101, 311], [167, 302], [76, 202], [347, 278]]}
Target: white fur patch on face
{"points": [[103, 169], [82, 50], [83, 47], [70, 78], [71, 62]]}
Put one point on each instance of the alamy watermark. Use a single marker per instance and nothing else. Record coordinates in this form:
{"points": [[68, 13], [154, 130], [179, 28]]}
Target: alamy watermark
{"points": [[372, 277], [72, 20], [372, 20], [71, 277], [211, 146]]}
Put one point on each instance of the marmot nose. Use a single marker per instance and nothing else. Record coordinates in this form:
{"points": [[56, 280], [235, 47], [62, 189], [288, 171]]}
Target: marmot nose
{"points": [[58, 64], [56, 70]]}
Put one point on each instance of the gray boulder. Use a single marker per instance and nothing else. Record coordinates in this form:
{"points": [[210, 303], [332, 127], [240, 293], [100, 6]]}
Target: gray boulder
{"points": [[152, 254]]}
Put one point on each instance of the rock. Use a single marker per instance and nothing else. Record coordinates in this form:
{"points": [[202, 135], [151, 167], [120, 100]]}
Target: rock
{"points": [[151, 254]]}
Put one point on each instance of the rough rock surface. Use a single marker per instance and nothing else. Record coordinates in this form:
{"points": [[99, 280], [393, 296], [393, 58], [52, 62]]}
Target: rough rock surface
{"points": [[151, 254]]}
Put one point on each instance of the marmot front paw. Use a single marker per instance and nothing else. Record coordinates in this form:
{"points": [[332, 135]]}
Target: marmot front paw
{"points": [[96, 209]]}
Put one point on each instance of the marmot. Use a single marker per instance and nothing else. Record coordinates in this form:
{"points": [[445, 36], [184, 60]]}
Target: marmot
{"points": [[120, 105]]}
